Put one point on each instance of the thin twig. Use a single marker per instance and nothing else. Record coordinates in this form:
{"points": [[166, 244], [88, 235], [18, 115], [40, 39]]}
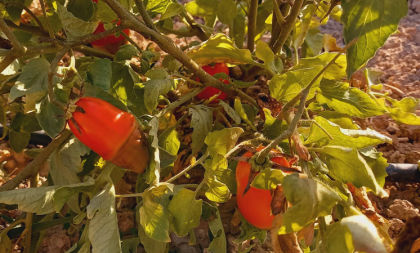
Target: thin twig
{"points": [[132, 42], [293, 124], [252, 24], [165, 43], [34, 17], [279, 17], [188, 168], [147, 19], [179, 102], [33, 167]]}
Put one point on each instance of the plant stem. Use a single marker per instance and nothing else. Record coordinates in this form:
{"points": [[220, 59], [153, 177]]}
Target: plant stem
{"points": [[143, 12], [252, 23], [165, 44], [33, 167], [188, 168], [287, 26]]}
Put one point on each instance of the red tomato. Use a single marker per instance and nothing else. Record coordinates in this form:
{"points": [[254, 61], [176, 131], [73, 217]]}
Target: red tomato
{"points": [[101, 126], [255, 204], [110, 43], [208, 92]]}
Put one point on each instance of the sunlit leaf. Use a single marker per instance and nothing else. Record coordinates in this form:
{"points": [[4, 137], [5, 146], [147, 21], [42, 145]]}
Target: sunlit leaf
{"points": [[222, 141], [343, 137], [313, 199], [41, 200], [103, 225], [201, 122], [371, 22], [219, 48], [348, 165], [185, 219], [340, 97], [154, 213]]}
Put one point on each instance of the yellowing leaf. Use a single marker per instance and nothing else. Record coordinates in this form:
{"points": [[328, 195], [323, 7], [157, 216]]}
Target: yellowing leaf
{"points": [[220, 48]]}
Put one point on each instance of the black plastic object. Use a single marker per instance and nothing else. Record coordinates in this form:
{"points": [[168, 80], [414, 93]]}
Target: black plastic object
{"points": [[403, 172], [37, 138]]}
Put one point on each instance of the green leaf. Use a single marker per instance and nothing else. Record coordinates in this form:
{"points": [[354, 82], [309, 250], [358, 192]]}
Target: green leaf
{"points": [[226, 11], [81, 9], [66, 162], [273, 127], [365, 235], [185, 219], [218, 244], [337, 239], [122, 83], [21, 128], [201, 122], [240, 109], [201, 7], [309, 199], [154, 214], [171, 63], [340, 97], [172, 9], [73, 26], [404, 110], [103, 225], [34, 78], [151, 245], [238, 30], [41, 200], [217, 191], [169, 141], [264, 52], [268, 179], [157, 6], [126, 52], [14, 10], [284, 87], [222, 141], [104, 13], [100, 73], [51, 118], [348, 165], [18, 140], [371, 22], [231, 112], [158, 84], [377, 162], [343, 137], [220, 48]]}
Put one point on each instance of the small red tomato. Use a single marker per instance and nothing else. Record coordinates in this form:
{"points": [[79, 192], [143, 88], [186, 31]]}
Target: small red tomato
{"points": [[255, 204], [110, 132], [208, 92], [110, 43]]}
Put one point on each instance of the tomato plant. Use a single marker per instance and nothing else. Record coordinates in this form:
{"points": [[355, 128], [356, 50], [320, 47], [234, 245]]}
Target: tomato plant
{"points": [[135, 106]]}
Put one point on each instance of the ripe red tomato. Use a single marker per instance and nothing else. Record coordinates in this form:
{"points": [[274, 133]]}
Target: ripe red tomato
{"points": [[208, 92], [110, 43], [255, 204], [110, 132]]}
